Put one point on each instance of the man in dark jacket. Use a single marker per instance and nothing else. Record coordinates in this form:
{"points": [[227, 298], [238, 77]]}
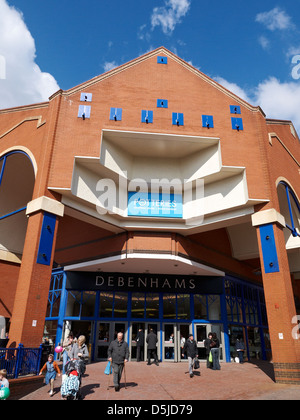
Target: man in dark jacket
{"points": [[190, 348], [140, 338], [118, 354], [151, 349]]}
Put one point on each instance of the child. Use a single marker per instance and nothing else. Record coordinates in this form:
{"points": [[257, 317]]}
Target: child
{"points": [[51, 368], [3, 381], [70, 386]]}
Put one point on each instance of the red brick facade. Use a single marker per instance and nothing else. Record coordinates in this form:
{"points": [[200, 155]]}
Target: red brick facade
{"points": [[52, 135]]}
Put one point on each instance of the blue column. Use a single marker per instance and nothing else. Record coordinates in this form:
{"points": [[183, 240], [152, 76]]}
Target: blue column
{"points": [[225, 324], [62, 309]]}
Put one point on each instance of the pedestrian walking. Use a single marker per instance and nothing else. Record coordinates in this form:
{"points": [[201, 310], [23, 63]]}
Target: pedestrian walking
{"points": [[51, 368], [118, 355], [140, 340], [215, 350], [151, 347], [190, 348], [79, 350], [240, 348], [207, 346], [67, 348]]}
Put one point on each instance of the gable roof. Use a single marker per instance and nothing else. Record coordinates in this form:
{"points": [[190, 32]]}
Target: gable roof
{"points": [[147, 56]]}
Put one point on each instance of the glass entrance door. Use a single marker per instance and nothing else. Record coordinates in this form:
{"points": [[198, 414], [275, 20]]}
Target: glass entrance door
{"points": [[174, 336], [155, 327], [133, 344], [201, 332], [107, 332]]}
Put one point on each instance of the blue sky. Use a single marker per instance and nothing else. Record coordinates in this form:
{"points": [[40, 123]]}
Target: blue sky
{"points": [[252, 48]]}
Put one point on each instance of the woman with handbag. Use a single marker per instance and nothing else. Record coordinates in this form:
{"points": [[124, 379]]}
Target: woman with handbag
{"points": [[190, 348]]}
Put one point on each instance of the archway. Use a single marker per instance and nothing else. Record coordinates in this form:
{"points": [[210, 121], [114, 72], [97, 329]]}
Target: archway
{"points": [[17, 179]]}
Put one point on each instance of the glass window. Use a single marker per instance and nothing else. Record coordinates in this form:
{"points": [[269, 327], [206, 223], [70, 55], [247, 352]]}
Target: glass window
{"points": [[103, 334], [73, 303], [106, 304], [183, 307], [138, 305], [200, 306], [55, 303], [214, 307], [152, 305], [120, 305], [88, 304], [169, 306]]}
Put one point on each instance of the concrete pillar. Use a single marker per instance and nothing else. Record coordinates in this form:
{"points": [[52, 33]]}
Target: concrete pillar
{"points": [[279, 295], [28, 317]]}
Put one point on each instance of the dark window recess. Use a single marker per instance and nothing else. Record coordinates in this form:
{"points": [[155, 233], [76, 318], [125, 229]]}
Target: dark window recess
{"points": [[115, 114], [162, 103], [147, 117], [177, 118], [207, 121], [86, 97], [162, 60], [235, 109], [237, 124], [84, 111]]}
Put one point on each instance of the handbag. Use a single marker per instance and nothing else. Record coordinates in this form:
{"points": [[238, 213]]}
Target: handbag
{"points": [[196, 363], [210, 358]]}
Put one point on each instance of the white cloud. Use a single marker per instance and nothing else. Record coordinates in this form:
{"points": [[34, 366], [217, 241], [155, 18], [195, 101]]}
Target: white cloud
{"points": [[170, 15], [275, 19], [234, 88], [24, 82], [264, 42], [278, 100], [109, 65]]}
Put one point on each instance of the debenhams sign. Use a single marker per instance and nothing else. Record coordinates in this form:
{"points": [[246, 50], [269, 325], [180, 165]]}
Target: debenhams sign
{"points": [[144, 283]]}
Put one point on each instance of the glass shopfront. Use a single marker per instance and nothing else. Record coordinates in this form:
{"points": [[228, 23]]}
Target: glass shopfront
{"points": [[173, 307]]}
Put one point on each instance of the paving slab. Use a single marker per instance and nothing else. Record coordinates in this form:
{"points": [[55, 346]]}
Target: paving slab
{"points": [[171, 382]]}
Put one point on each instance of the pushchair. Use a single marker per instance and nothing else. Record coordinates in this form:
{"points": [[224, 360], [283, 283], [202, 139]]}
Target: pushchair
{"points": [[70, 388]]}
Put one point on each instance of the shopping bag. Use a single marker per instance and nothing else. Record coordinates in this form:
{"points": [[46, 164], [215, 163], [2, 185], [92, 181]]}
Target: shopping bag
{"points": [[196, 363], [108, 369], [210, 359]]}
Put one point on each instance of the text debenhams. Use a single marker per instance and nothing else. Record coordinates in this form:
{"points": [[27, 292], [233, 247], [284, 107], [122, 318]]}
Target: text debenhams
{"points": [[145, 282]]}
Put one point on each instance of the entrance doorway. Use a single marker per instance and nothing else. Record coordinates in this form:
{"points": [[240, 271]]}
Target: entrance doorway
{"points": [[133, 345], [174, 336], [201, 332], [107, 332]]}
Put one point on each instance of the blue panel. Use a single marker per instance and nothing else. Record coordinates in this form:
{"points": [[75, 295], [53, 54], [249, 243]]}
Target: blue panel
{"points": [[162, 103], [46, 239], [207, 121], [268, 246], [115, 114], [86, 97], [162, 60], [235, 109], [237, 124], [84, 111], [177, 118], [154, 205], [147, 117]]}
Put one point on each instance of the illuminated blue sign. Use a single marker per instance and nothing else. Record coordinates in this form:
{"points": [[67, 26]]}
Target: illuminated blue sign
{"points": [[154, 205]]}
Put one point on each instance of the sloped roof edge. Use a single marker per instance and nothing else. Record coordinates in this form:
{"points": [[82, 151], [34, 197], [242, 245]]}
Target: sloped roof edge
{"points": [[146, 56]]}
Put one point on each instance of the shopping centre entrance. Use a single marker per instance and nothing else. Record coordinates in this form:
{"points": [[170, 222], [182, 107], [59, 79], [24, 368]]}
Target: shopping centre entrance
{"points": [[99, 307]]}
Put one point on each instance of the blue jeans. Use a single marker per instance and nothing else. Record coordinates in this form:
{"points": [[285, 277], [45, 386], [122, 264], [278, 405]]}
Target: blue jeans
{"points": [[215, 356], [66, 358]]}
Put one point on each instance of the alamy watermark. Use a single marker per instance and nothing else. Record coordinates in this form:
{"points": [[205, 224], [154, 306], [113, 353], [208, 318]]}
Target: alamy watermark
{"points": [[296, 68], [165, 198], [296, 329], [2, 67]]}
